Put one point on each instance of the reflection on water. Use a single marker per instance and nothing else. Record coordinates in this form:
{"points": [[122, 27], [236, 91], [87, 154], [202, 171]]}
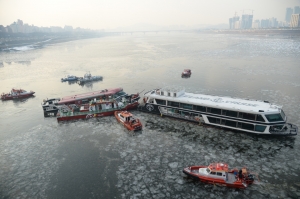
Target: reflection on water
{"points": [[98, 158]]}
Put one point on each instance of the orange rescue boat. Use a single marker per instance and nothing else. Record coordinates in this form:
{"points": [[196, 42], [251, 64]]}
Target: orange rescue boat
{"points": [[218, 173], [127, 119]]}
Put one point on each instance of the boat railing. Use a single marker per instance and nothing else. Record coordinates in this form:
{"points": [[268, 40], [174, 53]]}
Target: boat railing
{"points": [[285, 129], [72, 113]]}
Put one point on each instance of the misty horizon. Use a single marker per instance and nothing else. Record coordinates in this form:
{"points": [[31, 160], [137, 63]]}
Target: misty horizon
{"points": [[135, 15]]}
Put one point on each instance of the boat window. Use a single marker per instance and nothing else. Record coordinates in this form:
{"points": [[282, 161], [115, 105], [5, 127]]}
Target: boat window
{"points": [[276, 128], [219, 174], [174, 104], [185, 113], [199, 108], [150, 100], [274, 118], [214, 110], [260, 118], [186, 106], [229, 113], [213, 173], [260, 128], [169, 94], [207, 170], [283, 114], [247, 126], [161, 93], [230, 123], [213, 120], [248, 116], [162, 102], [240, 115]]}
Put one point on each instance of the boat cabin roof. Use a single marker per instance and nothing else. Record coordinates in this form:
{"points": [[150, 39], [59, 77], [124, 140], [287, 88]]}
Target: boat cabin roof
{"points": [[237, 104], [218, 167], [89, 95], [126, 114], [187, 70]]}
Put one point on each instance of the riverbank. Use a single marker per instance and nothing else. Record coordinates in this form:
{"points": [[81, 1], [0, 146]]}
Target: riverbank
{"points": [[12, 42]]}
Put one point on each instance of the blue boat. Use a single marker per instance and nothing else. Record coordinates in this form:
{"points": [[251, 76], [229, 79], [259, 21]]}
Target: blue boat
{"points": [[69, 78]]}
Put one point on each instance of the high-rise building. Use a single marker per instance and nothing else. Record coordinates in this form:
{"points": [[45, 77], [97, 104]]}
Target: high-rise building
{"points": [[295, 20], [264, 23], [256, 24], [232, 21], [288, 14], [297, 10], [246, 22]]}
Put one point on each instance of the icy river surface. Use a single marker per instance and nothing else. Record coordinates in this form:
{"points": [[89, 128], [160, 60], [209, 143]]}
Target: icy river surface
{"points": [[98, 158]]}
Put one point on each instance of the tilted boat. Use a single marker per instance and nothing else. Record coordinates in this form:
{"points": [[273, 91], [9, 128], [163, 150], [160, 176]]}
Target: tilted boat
{"points": [[96, 108], [218, 173], [16, 94], [253, 116], [69, 78], [186, 73], [128, 120], [51, 106], [89, 78]]}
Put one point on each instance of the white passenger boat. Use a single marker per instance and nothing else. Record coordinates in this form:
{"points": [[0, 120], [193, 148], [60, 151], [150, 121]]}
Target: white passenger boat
{"points": [[253, 116]]}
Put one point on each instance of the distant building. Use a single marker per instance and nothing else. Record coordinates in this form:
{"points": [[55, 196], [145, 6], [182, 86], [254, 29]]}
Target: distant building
{"points": [[297, 10], [246, 22], [2, 28], [20, 26], [232, 22], [256, 24], [295, 20], [68, 28], [56, 29], [264, 23], [288, 14], [273, 23]]}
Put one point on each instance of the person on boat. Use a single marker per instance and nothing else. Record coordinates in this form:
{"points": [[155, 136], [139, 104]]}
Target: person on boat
{"points": [[240, 174]]}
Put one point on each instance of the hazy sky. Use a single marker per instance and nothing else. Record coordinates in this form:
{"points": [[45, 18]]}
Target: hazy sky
{"points": [[110, 14]]}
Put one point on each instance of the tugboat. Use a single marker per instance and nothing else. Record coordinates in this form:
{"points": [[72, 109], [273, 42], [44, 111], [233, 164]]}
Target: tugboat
{"points": [[16, 94], [127, 119], [186, 73], [69, 78], [88, 78], [218, 173]]}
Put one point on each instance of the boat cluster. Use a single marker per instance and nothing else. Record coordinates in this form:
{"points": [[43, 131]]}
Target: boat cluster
{"points": [[252, 116], [81, 80]]}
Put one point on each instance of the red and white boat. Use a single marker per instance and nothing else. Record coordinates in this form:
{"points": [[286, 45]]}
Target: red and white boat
{"points": [[127, 119], [51, 106], [218, 173], [96, 108], [16, 94], [186, 73]]}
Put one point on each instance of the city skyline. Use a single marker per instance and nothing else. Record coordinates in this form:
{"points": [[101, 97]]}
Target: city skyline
{"points": [[115, 14]]}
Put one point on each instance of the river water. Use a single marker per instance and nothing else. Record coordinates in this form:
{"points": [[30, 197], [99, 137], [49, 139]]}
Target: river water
{"points": [[98, 158]]}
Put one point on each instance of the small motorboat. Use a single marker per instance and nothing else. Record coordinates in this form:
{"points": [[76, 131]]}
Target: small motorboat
{"points": [[186, 73], [219, 174], [69, 78], [89, 78], [16, 94], [127, 119]]}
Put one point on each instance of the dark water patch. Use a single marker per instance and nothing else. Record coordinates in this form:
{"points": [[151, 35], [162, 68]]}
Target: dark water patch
{"points": [[85, 172]]}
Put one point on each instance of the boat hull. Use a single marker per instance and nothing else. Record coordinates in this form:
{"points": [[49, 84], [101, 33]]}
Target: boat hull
{"points": [[11, 97], [89, 115]]}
